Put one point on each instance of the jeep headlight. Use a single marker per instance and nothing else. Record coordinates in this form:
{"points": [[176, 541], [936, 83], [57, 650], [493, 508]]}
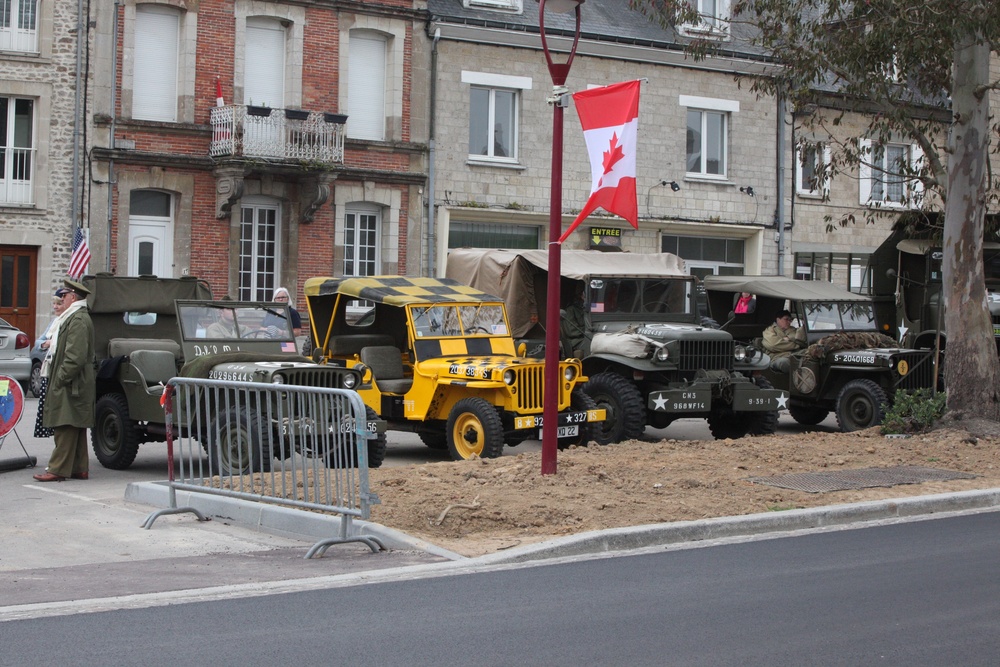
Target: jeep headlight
{"points": [[509, 376], [277, 378], [350, 381], [662, 353], [570, 373], [740, 353]]}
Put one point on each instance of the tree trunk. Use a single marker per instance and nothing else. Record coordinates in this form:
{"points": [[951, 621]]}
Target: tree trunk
{"points": [[971, 367]]}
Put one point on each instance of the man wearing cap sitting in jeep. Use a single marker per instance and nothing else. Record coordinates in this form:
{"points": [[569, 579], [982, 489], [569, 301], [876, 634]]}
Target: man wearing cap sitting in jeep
{"points": [[781, 339], [72, 389]]}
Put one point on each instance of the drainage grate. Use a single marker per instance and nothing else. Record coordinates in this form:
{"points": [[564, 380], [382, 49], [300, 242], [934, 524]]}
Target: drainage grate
{"points": [[862, 478]]}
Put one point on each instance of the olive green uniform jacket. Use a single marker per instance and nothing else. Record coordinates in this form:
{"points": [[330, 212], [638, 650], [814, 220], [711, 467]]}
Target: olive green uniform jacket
{"points": [[72, 390], [781, 343]]}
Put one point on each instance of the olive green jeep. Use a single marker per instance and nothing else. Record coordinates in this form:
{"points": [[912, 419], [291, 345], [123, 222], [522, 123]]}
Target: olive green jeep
{"points": [[849, 367], [439, 360], [148, 330]]}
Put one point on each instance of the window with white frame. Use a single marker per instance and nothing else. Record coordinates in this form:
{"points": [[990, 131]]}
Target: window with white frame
{"points": [[366, 78], [154, 87], [713, 19], [19, 25], [361, 240], [17, 150], [886, 174], [494, 101], [708, 135], [264, 77], [259, 249], [811, 169]]}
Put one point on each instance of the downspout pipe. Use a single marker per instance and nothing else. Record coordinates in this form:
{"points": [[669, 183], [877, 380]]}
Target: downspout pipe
{"points": [[112, 129], [431, 225], [78, 120], [779, 208]]}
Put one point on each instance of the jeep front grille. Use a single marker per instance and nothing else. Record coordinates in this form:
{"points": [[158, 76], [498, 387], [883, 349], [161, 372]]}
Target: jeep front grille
{"points": [[324, 377], [921, 372], [710, 355], [530, 385]]}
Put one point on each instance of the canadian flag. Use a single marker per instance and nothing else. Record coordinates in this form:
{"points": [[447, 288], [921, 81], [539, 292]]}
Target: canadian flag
{"points": [[610, 120], [219, 102]]}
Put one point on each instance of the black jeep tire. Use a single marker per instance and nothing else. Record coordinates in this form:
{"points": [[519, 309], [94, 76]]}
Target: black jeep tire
{"points": [[377, 445], [726, 424], [474, 428], [626, 410], [764, 423], [240, 449], [860, 405], [35, 380], [579, 400], [434, 439], [115, 436], [807, 415]]}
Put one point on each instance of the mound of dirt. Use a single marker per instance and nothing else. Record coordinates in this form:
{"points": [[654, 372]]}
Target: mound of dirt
{"points": [[481, 506]]}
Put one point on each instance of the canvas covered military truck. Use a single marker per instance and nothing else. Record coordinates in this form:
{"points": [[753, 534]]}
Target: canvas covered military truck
{"points": [[148, 330], [440, 361], [649, 358], [906, 274], [848, 368]]}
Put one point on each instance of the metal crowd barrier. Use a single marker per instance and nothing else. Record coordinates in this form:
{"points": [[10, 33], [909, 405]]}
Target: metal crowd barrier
{"points": [[300, 447]]}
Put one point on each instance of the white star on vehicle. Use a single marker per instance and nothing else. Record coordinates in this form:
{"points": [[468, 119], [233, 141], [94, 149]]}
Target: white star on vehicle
{"points": [[782, 401], [660, 402], [902, 331]]}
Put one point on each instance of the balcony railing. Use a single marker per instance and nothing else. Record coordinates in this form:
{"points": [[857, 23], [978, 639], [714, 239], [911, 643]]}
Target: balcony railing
{"points": [[16, 182], [238, 130]]}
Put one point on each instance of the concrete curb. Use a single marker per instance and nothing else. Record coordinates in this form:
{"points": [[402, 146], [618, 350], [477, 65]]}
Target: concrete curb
{"points": [[278, 520], [313, 526], [636, 537]]}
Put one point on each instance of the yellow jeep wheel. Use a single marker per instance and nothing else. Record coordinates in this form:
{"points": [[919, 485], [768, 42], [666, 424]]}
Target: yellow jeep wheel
{"points": [[474, 427]]}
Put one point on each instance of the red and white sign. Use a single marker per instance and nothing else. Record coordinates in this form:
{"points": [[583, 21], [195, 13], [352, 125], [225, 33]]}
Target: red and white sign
{"points": [[610, 120]]}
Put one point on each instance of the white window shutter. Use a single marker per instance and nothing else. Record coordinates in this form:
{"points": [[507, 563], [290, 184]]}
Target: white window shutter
{"points": [[366, 86], [264, 78], [916, 187], [154, 82], [865, 172]]}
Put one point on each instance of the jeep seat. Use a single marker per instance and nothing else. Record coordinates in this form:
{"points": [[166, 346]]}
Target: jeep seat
{"points": [[155, 366], [386, 363]]}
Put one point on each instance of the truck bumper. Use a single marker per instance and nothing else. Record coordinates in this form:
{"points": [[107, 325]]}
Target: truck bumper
{"points": [[747, 397]]}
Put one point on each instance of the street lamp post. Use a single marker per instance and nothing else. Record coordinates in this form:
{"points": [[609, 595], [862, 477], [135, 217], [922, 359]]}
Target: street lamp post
{"points": [[559, 72]]}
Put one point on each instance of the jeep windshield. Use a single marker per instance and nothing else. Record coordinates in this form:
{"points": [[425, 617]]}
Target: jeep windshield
{"points": [[234, 321], [641, 296], [853, 316], [451, 320]]}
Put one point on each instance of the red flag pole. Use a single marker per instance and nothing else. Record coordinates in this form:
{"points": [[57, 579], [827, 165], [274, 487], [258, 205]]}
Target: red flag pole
{"points": [[550, 409]]}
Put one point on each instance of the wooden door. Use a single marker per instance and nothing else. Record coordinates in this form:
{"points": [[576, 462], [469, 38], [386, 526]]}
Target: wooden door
{"points": [[18, 267]]}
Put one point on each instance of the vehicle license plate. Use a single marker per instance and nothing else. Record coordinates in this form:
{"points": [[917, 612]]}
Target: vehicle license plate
{"points": [[567, 431]]}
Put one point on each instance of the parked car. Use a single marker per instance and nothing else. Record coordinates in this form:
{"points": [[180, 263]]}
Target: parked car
{"points": [[37, 357], [849, 367], [15, 349], [439, 359]]}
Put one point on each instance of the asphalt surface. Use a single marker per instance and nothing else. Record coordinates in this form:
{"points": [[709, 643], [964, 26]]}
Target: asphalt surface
{"points": [[81, 545]]}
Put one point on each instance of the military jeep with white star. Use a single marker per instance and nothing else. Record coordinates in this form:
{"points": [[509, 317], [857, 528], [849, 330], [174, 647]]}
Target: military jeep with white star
{"points": [[849, 366], [438, 359]]}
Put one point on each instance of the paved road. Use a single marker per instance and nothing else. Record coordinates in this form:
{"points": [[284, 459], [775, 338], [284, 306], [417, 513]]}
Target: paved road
{"points": [[924, 593]]}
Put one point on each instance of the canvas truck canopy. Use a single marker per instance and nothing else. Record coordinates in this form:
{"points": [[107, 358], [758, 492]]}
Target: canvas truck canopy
{"points": [[519, 276], [779, 287]]}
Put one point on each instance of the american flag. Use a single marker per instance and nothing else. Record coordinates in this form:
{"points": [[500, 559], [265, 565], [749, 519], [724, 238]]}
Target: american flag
{"points": [[80, 260]]}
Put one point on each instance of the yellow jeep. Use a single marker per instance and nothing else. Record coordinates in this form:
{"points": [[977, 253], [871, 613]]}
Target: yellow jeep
{"points": [[439, 360]]}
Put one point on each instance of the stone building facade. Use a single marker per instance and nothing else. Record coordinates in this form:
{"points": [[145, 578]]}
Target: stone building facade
{"points": [[38, 196]]}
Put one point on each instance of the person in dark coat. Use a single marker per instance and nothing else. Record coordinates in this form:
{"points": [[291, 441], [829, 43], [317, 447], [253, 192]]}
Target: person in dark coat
{"points": [[57, 307], [72, 390]]}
